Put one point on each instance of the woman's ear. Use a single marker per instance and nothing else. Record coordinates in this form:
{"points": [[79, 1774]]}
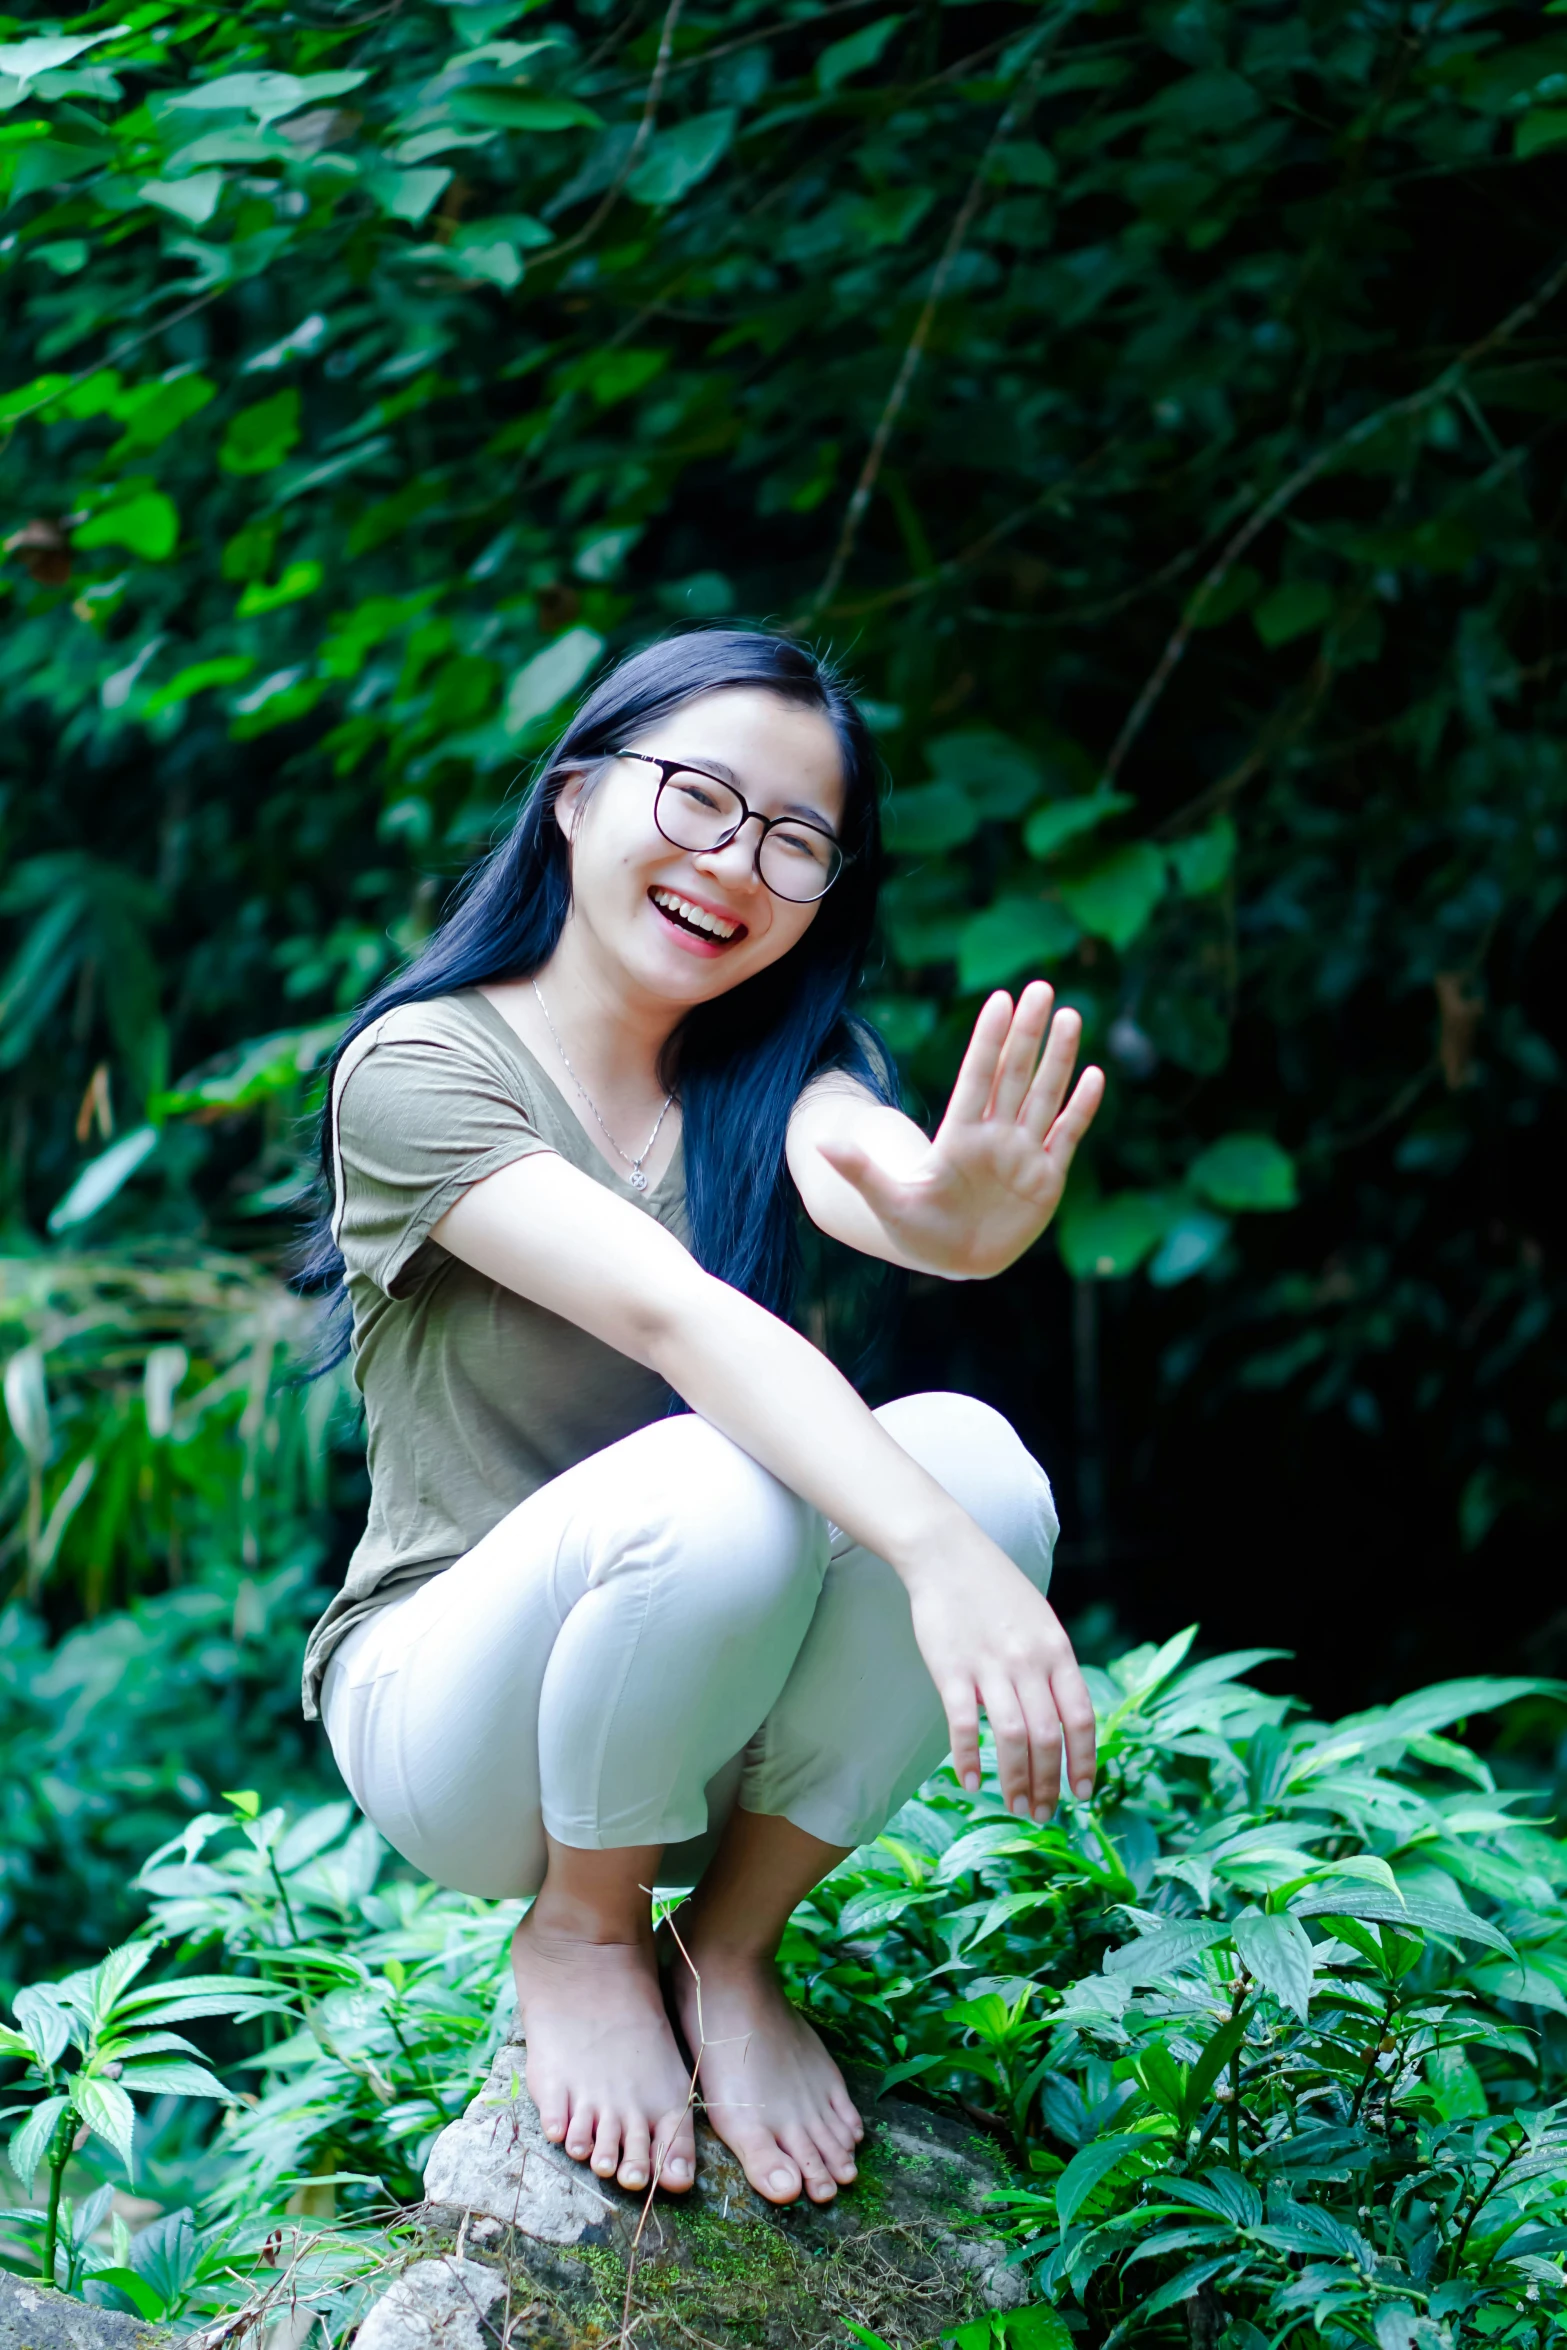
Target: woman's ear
{"points": [[567, 805]]}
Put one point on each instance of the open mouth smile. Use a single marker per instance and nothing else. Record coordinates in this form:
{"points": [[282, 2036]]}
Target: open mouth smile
{"points": [[714, 930]]}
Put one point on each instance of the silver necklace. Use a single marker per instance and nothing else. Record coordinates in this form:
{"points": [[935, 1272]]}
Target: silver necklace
{"points": [[637, 1179]]}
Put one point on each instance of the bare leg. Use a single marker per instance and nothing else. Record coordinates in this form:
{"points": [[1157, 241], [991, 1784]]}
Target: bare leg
{"points": [[769, 2087], [603, 2067]]}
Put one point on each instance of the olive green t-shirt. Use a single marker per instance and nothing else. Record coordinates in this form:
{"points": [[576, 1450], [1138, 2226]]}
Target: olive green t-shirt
{"points": [[473, 1396]]}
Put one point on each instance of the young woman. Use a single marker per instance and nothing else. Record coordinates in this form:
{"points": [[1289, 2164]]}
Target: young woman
{"points": [[590, 1642]]}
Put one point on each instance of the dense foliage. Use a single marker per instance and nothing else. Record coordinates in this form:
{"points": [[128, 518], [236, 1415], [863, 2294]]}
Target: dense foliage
{"points": [[1157, 403], [1274, 2031]]}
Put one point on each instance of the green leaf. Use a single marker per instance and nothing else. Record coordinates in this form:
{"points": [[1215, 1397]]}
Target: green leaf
{"points": [[840, 60], [146, 522], [1245, 1172], [106, 2111], [1115, 898], [1060, 821], [680, 159], [299, 579], [1541, 127], [1292, 608], [151, 412], [146, 2302], [543, 683], [1088, 2168], [1192, 1240], [173, 2077], [1016, 935], [1202, 862], [516, 110], [1106, 1239], [47, 52], [30, 2143], [926, 818], [1456, 2086], [408, 195], [222, 669], [102, 1178], [1277, 1950], [194, 199], [261, 437]]}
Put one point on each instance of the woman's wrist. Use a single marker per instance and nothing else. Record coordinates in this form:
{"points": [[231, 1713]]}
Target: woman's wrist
{"points": [[932, 1551]]}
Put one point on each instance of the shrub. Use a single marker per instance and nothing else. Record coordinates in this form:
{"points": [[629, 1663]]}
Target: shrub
{"points": [[1273, 2029]]}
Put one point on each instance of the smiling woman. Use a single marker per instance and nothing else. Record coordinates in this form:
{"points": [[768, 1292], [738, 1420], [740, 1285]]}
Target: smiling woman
{"points": [[587, 1643]]}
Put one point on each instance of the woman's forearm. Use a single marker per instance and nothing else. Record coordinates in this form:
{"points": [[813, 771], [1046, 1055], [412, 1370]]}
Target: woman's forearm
{"points": [[785, 1404], [557, 1237]]}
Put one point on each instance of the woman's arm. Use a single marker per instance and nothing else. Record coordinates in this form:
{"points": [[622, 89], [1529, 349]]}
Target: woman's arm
{"points": [[552, 1234], [967, 1204]]}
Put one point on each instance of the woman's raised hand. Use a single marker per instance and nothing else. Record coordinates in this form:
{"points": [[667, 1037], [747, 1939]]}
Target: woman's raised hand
{"points": [[989, 1639], [985, 1188]]}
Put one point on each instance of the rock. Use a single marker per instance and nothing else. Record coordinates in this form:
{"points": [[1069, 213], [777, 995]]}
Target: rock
{"points": [[910, 2251], [435, 2305], [32, 2317]]}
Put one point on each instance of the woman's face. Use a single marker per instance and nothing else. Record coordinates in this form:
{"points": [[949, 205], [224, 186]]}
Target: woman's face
{"points": [[687, 925]]}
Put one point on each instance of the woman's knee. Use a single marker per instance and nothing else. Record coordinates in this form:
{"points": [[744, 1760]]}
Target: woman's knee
{"points": [[979, 1458], [725, 1522]]}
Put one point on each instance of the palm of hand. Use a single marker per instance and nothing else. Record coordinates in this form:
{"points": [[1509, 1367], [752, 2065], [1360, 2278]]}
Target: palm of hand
{"points": [[993, 1176]]}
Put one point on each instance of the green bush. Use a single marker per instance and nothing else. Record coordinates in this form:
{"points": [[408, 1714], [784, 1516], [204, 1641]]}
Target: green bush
{"points": [[1160, 405], [1274, 2030]]}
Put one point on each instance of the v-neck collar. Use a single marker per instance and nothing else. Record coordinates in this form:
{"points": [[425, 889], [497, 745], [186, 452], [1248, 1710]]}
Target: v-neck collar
{"points": [[499, 1026]]}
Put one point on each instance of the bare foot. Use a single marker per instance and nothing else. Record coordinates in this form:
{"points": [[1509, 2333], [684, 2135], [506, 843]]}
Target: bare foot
{"points": [[603, 2068], [769, 2087]]}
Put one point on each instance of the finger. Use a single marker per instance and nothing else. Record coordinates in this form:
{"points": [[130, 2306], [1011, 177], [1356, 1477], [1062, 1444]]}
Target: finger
{"points": [[1021, 1050], [1044, 1746], [971, 1094], [1048, 1090], [1078, 1726], [962, 1711], [1069, 1129], [1009, 1729]]}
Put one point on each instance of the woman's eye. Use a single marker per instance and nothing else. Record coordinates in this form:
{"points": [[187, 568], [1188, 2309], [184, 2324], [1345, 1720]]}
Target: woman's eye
{"points": [[805, 844], [694, 795]]}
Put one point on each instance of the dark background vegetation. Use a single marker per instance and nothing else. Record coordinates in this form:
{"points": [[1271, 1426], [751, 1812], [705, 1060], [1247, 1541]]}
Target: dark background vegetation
{"points": [[1158, 408]]}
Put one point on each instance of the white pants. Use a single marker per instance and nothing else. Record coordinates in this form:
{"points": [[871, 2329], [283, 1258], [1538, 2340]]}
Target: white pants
{"points": [[657, 1634]]}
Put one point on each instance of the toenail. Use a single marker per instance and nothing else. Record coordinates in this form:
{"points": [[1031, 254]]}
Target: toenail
{"points": [[781, 2179]]}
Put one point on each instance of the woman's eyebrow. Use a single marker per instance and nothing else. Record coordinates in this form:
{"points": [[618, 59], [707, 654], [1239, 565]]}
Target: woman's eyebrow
{"points": [[726, 774]]}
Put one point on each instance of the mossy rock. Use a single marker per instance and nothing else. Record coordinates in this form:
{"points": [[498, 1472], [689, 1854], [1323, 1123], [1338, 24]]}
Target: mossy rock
{"points": [[557, 2257]]}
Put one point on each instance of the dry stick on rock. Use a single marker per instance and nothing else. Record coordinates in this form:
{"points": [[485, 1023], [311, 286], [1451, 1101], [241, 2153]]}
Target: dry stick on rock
{"points": [[1289, 490], [655, 91], [909, 367], [623, 2339]]}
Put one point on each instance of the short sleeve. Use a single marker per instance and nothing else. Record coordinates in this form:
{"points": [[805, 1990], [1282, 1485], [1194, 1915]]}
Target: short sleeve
{"points": [[418, 1119]]}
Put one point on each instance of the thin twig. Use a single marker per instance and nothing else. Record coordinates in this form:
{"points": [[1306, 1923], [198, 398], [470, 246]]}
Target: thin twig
{"points": [[909, 366], [1287, 492], [655, 91]]}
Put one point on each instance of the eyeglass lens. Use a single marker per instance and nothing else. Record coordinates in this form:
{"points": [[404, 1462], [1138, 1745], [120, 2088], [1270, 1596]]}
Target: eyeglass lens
{"points": [[698, 812]]}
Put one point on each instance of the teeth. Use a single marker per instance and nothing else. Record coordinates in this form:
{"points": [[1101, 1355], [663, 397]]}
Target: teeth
{"points": [[696, 917]]}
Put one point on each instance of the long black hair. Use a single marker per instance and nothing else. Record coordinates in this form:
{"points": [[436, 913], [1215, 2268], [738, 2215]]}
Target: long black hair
{"points": [[736, 1064]]}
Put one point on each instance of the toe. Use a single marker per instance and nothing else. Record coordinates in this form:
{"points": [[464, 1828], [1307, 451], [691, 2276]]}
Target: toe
{"points": [[606, 2145], [772, 2171], [636, 2154], [820, 2184], [675, 2151], [844, 2113], [581, 2131]]}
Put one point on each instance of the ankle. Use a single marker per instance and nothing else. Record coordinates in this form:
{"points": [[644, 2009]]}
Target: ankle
{"points": [[567, 1917], [733, 1944]]}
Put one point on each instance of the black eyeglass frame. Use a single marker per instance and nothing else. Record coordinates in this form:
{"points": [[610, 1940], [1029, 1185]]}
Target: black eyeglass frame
{"points": [[672, 767]]}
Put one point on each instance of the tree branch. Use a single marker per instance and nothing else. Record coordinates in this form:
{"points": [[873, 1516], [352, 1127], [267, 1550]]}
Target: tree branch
{"points": [[1287, 492], [908, 368], [612, 194]]}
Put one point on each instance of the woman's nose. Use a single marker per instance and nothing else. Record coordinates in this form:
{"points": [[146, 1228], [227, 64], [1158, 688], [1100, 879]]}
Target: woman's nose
{"points": [[734, 864]]}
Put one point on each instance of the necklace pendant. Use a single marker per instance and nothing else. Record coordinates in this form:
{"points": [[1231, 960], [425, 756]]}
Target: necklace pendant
{"points": [[637, 1180]]}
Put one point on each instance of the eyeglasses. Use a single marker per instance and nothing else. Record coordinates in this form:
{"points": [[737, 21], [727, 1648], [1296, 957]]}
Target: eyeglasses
{"points": [[797, 860]]}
